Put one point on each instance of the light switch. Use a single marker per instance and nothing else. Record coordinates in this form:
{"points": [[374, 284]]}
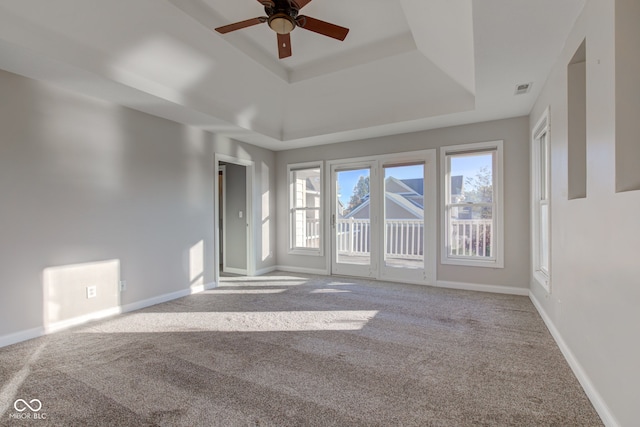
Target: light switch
{"points": [[239, 214]]}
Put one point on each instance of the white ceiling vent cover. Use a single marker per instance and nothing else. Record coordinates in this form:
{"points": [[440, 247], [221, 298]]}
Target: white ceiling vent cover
{"points": [[523, 88]]}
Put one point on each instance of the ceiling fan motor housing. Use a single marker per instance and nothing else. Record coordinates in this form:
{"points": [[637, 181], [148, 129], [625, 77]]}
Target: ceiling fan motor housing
{"points": [[281, 15], [281, 23]]}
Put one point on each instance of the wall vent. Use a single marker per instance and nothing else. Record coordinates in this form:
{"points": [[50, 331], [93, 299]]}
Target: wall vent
{"points": [[523, 88]]}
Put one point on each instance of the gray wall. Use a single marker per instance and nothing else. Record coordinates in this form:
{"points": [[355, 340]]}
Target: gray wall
{"points": [[236, 227], [595, 285], [93, 193], [514, 132]]}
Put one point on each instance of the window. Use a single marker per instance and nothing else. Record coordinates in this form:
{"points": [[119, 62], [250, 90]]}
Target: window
{"points": [[305, 200], [540, 215], [472, 203]]}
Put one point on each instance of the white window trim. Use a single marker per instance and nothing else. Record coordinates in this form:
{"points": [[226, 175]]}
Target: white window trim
{"points": [[305, 251], [498, 232], [542, 127]]}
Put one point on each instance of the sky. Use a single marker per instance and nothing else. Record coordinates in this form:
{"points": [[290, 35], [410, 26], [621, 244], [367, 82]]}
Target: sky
{"points": [[467, 166], [347, 180]]}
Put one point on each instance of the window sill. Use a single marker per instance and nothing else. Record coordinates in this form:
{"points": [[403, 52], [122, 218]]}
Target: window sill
{"points": [[305, 252], [473, 262]]}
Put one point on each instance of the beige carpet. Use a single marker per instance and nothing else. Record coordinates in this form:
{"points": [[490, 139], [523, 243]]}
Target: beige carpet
{"points": [[294, 350]]}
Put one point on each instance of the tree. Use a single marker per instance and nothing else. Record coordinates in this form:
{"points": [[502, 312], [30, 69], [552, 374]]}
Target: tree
{"points": [[480, 187], [360, 193], [480, 190]]}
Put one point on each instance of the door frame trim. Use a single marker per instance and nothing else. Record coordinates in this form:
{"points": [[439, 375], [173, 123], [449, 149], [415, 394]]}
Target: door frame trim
{"points": [[249, 215], [223, 169]]}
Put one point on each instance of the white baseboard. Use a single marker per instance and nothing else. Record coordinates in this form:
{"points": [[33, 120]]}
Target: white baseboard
{"points": [[266, 270], [196, 289], [303, 270], [75, 321], [17, 337], [232, 270], [598, 403], [138, 305], [510, 290]]}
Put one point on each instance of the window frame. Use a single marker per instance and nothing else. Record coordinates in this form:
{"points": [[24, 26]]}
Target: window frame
{"points": [[540, 197], [293, 249], [497, 234]]}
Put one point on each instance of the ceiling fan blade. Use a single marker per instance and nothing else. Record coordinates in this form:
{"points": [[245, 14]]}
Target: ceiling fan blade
{"points": [[268, 3], [239, 25], [322, 27], [284, 45], [301, 3]]}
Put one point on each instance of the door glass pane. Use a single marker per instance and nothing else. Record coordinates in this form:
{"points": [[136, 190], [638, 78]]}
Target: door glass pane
{"points": [[353, 217], [404, 216]]}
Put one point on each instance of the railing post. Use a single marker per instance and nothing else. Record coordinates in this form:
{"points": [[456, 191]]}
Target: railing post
{"points": [[351, 222]]}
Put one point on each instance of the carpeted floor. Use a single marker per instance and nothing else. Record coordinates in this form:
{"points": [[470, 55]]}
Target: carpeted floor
{"points": [[295, 350]]}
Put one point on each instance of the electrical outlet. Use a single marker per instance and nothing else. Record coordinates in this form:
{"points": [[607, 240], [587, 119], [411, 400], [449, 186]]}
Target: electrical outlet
{"points": [[92, 291], [123, 285]]}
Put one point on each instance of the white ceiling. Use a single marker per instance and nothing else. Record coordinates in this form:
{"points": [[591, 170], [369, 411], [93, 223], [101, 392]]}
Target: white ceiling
{"points": [[406, 65]]}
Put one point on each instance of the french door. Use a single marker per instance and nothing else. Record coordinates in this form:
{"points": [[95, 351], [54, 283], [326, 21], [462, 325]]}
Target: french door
{"points": [[353, 218], [382, 219]]}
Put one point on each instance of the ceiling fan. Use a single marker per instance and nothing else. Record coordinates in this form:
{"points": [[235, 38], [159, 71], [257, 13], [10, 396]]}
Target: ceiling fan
{"points": [[283, 17]]}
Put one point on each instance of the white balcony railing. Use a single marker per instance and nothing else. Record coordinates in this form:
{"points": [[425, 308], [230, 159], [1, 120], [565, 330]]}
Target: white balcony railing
{"points": [[353, 236], [471, 237], [312, 233], [404, 237]]}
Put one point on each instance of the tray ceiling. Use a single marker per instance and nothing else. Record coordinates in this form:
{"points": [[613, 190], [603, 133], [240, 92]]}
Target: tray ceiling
{"points": [[406, 65]]}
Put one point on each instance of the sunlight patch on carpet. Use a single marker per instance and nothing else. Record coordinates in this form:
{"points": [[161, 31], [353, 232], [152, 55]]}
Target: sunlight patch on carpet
{"points": [[329, 291], [278, 321], [247, 291]]}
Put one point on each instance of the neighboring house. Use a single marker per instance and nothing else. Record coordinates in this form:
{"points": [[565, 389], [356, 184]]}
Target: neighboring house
{"points": [[457, 189], [404, 198], [306, 207], [312, 191]]}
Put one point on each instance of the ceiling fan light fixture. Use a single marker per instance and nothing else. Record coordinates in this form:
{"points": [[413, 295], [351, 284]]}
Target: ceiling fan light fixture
{"points": [[281, 23]]}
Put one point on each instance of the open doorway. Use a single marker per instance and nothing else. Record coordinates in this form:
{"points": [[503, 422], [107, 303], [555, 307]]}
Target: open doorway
{"points": [[221, 216], [233, 216]]}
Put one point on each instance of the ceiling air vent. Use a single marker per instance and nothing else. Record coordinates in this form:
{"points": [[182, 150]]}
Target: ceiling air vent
{"points": [[523, 88]]}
